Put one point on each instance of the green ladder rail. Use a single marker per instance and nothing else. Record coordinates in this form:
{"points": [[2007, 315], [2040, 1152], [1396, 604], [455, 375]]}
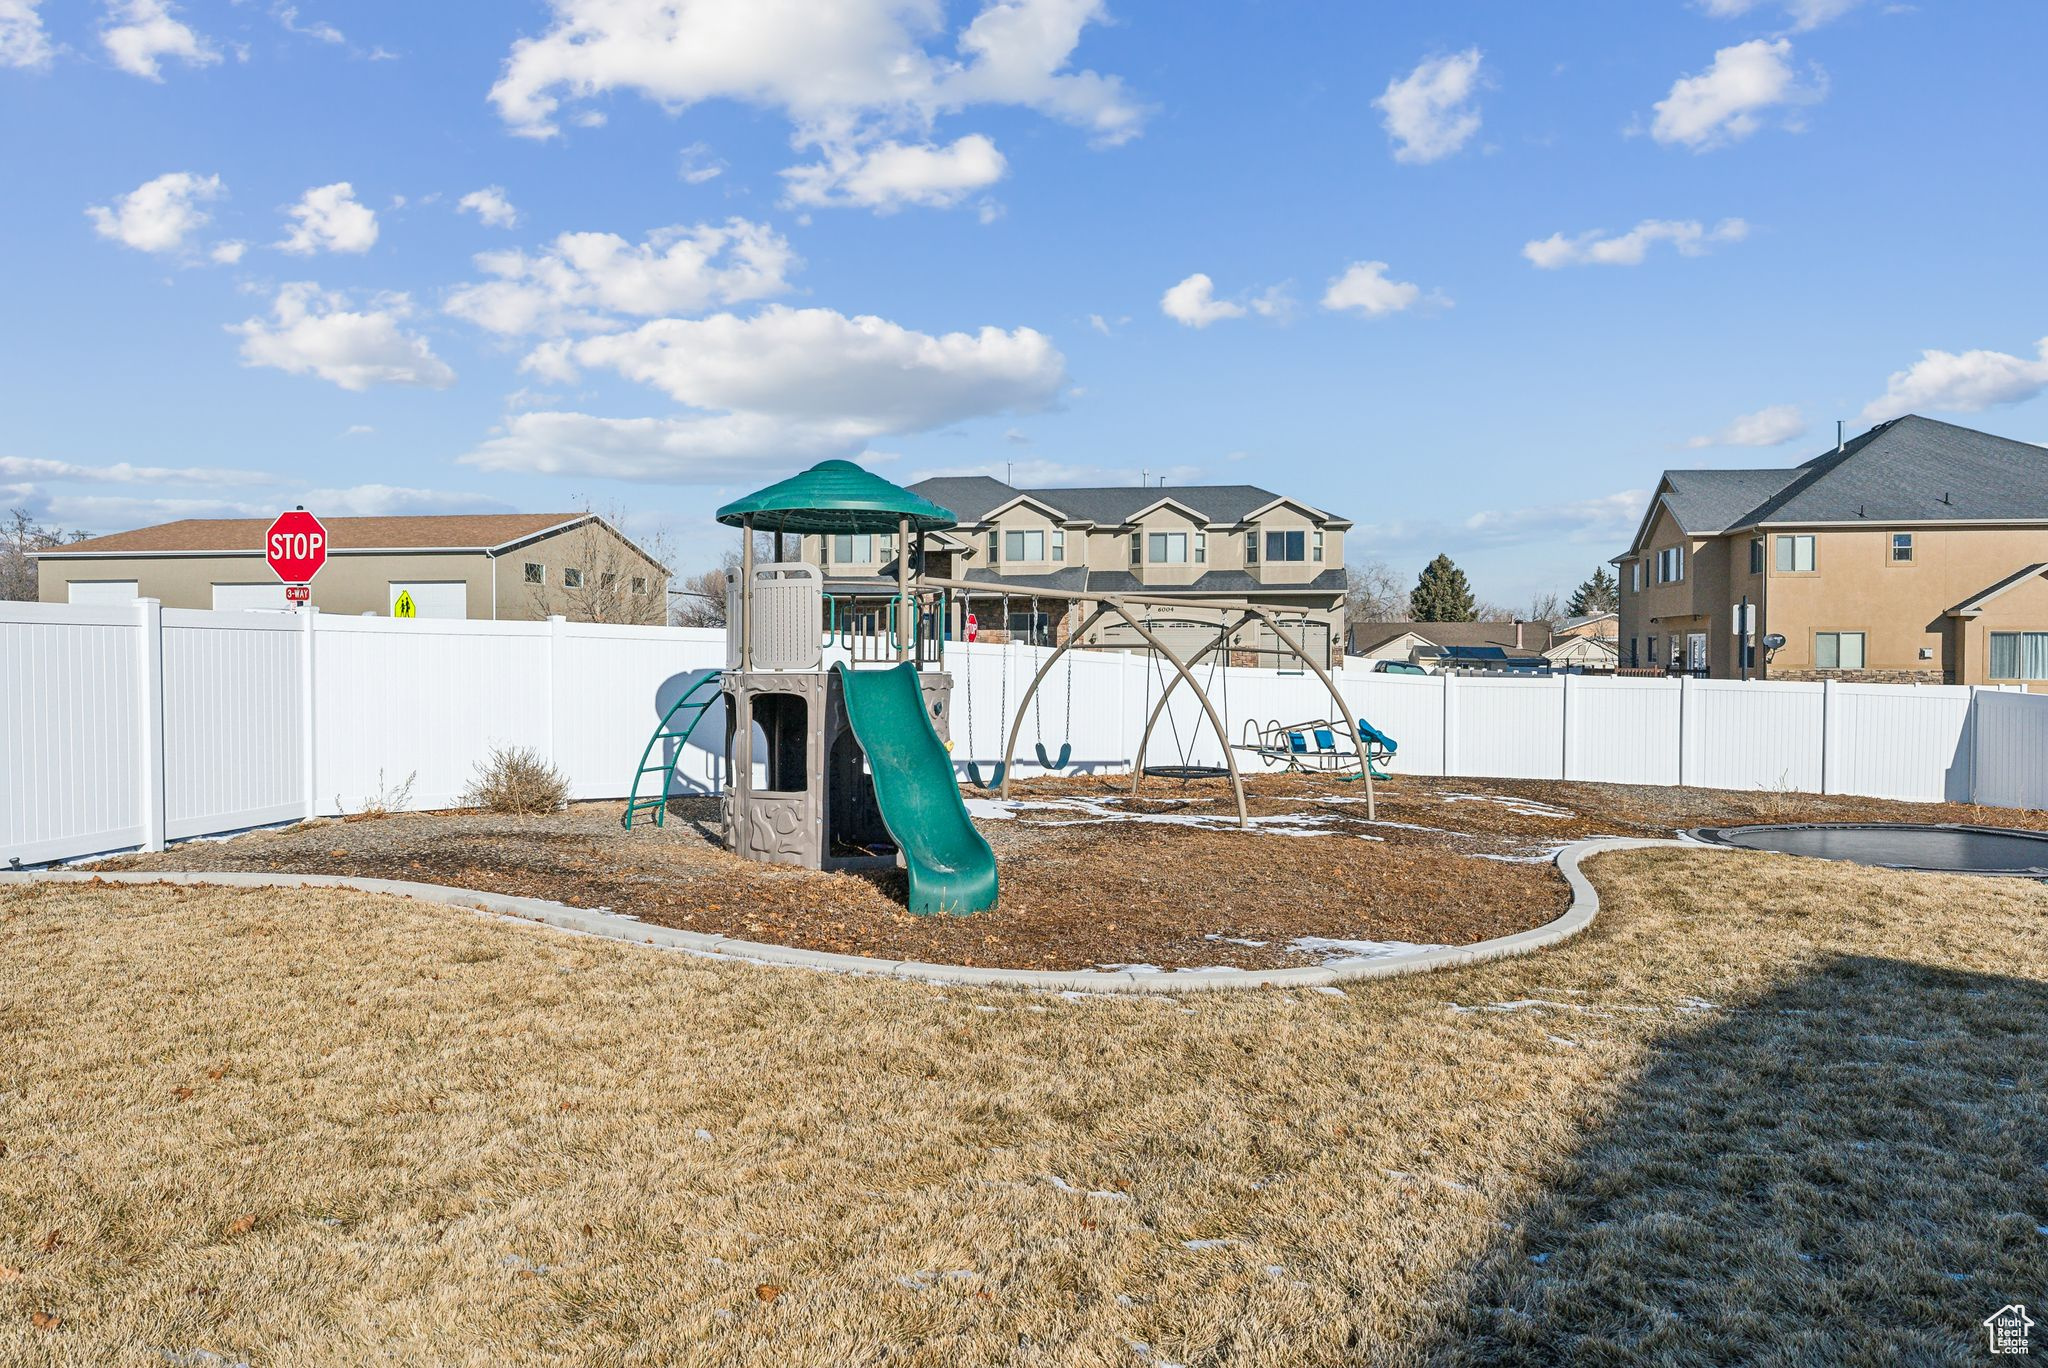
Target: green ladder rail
{"points": [[667, 731]]}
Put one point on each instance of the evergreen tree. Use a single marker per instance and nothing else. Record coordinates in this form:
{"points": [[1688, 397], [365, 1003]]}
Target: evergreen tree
{"points": [[1596, 595], [1442, 594]]}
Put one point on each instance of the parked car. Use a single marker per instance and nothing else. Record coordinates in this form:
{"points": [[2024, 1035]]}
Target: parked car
{"points": [[1397, 667]]}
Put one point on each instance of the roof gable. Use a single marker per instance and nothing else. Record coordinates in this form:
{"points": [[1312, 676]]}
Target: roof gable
{"points": [[412, 532]]}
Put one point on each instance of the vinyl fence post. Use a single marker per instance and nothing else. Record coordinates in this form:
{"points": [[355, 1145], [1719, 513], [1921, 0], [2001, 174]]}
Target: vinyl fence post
{"points": [[1830, 715], [150, 694], [1450, 722], [309, 749], [1685, 724], [556, 622], [1569, 726]]}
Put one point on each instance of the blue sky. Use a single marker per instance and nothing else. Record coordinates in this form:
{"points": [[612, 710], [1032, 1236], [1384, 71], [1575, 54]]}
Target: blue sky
{"points": [[1469, 274]]}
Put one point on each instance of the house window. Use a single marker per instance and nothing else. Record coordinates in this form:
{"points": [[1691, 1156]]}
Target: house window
{"points": [[1795, 554], [1169, 548], [2019, 655], [572, 578], [1756, 555], [1201, 548], [1677, 652], [608, 579], [1650, 650], [1838, 650], [1059, 545], [1671, 565], [1632, 655], [994, 540], [1319, 546], [1902, 547], [536, 573], [1137, 548], [639, 584], [1023, 546], [852, 550], [1251, 548], [888, 548], [1635, 577], [1286, 546]]}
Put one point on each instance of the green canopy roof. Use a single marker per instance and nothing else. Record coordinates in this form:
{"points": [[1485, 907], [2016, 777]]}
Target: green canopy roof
{"points": [[836, 496]]}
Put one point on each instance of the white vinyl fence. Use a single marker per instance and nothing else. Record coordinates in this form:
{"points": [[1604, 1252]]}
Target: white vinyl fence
{"points": [[129, 725]]}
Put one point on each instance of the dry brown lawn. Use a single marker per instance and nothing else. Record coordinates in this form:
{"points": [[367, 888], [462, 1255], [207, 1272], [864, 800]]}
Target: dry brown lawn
{"points": [[1766, 1110]]}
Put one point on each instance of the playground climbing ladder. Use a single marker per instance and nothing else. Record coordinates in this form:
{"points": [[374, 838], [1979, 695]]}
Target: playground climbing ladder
{"points": [[690, 708]]}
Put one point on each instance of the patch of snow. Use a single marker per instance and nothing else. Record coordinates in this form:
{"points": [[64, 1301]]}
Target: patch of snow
{"points": [[1105, 1194], [704, 1135], [1521, 807], [1332, 991], [1229, 940], [925, 1279], [1208, 1244], [1539, 1258], [1561, 1040], [1525, 1005], [1333, 953]]}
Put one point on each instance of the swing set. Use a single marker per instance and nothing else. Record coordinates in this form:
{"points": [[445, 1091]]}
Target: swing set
{"points": [[1047, 762], [1141, 614]]}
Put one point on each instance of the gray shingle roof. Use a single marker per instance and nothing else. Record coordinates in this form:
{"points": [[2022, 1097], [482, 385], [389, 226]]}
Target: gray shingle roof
{"points": [[1708, 501], [1911, 469], [1074, 579], [972, 497]]}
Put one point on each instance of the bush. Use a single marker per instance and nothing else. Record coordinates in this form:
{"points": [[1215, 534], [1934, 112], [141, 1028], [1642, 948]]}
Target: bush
{"points": [[517, 781], [382, 803]]}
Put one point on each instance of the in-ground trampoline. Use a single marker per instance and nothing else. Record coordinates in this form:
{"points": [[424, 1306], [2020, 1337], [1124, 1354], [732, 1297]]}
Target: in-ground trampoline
{"points": [[1925, 849]]}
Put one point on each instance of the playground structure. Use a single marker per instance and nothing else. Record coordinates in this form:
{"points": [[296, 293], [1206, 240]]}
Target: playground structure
{"points": [[1142, 613], [850, 767]]}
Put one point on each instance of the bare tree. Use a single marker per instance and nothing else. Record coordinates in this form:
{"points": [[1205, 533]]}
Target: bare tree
{"points": [[606, 580], [1374, 593], [700, 601], [1545, 607], [20, 538]]}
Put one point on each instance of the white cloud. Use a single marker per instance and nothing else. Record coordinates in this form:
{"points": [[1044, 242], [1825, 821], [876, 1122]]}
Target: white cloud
{"points": [[1727, 101], [1689, 236], [22, 40], [698, 165], [822, 366], [287, 17], [827, 67], [1041, 473], [116, 512], [122, 472], [1193, 303], [158, 215], [139, 34], [490, 206], [1767, 427], [886, 176], [381, 500], [1429, 113], [359, 430], [584, 281], [772, 392], [1365, 287], [315, 332], [330, 220], [228, 253], [728, 447], [1804, 14], [1961, 382], [1594, 519]]}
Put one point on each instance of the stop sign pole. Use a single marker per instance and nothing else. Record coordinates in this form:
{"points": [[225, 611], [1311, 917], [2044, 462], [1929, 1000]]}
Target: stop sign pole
{"points": [[296, 547]]}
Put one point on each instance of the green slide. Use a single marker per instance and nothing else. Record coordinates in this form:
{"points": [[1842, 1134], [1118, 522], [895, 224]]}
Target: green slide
{"points": [[951, 867]]}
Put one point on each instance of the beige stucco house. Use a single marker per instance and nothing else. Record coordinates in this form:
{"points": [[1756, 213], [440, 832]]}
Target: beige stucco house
{"points": [[1912, 553], [1200, 545], [508, 566]]}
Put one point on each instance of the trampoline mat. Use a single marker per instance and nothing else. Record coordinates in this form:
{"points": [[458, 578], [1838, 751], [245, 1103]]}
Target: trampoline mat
{"points": [[1928, 849]]}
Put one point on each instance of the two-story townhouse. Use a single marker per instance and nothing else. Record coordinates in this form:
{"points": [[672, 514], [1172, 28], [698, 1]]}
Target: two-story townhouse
{"points": [[1916, 552], [1202, 546]]}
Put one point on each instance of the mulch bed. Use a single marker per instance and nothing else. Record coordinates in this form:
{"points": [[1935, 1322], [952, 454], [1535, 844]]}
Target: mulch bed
{"points": [[1090, 875]]}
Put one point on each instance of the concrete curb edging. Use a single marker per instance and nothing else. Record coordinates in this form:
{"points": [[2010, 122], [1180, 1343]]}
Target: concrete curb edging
{"points": [[1585, 905]]}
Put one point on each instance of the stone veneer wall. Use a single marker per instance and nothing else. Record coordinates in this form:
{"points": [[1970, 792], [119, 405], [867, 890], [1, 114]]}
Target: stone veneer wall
{"points": [[1929, 676]]}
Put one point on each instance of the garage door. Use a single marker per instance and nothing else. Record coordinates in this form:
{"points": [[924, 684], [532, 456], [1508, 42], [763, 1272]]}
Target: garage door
{"points": [[104, 591], [263, 598], [429, 598]]}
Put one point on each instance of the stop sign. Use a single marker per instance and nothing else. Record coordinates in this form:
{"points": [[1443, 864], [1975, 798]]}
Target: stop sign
{"points": [[973, 627], [296, 546]]}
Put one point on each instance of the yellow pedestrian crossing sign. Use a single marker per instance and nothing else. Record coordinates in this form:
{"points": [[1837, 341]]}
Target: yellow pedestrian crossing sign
{"points": [[403, 606]]}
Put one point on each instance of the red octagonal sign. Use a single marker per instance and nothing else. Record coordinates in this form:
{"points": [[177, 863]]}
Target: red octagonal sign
{"points": [[296, 546]]}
